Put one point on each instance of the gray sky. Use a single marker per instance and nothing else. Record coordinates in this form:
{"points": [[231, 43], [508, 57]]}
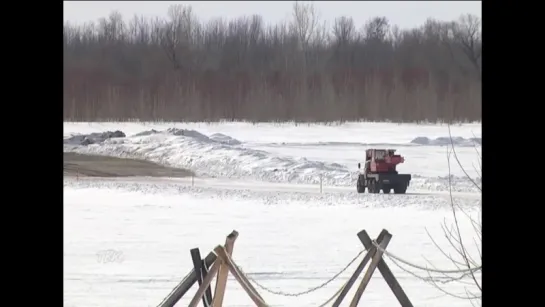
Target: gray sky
{"points": [[402, 13]]}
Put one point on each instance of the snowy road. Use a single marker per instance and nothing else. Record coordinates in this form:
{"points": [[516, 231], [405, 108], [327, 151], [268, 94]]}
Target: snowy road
{"points": [[259, 186]]}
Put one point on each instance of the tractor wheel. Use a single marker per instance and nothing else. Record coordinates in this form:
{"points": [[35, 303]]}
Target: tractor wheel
{"points": [[373, 187], [400, 189], [360, 187], [386, 189]]}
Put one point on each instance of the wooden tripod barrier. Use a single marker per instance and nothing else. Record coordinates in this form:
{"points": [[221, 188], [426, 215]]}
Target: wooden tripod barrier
{"points": [[377, 262], [186, 284], [196, 275], [383, 268], [367, 277], [370, 253], [222, 264]]}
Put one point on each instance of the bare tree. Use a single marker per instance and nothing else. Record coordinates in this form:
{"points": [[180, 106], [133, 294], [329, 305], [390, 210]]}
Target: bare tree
{"points": [[305, 22], [464, 42], [468, 266], [178, 33], [344, 30], [377, 29], [467, 33]]}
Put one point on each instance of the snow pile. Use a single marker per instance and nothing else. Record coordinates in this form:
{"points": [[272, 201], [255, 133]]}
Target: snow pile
{"points": [[216, 137], [93, 138], [225, 139], [215, 157], [176, 131], [443, 141], [225, 157]]}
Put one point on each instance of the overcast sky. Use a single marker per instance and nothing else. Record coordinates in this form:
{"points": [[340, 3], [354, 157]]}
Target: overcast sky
{"points": [[401, 13]]}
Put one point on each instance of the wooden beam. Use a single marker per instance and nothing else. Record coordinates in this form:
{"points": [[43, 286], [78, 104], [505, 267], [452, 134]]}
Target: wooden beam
{"points": [[389, 277], [221, 281], [186, 284], [244, 283], [205, 284], [202, 272], [208, 292], [370, 253], [367, 277]]}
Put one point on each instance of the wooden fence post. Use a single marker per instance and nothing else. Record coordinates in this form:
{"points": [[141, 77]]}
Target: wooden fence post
{"points": [[321, 182], [221, 281], [367, 277], [389, 277]]}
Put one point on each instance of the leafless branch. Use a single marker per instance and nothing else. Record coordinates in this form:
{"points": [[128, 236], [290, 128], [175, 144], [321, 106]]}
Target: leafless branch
{"points": [[453, 235]]}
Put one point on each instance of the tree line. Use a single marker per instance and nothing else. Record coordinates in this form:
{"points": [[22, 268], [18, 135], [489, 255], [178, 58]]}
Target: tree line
{"points": [[303, 69]]}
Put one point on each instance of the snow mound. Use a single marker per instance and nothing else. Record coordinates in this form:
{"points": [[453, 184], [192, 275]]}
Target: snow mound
{"points": [[147, 132], [225, 139], [215, 157], [216, 137], [188, 133], [222, 156], [93, 138], [444, 141]]}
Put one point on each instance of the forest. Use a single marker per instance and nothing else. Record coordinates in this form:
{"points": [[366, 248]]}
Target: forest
{"points": [[303, 69]]}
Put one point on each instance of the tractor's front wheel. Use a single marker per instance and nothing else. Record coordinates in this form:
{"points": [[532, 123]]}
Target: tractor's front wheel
{"points": [[359, 186], [386, 189]]}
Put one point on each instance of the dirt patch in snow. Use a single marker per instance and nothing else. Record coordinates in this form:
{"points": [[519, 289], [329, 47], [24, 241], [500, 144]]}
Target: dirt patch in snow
{"points": [[103, 166]]}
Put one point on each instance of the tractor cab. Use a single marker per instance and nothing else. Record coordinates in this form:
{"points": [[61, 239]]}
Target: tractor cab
{"points": [[381, 161]]}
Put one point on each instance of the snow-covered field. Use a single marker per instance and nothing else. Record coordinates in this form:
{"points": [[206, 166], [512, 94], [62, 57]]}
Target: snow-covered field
{"points": [[262, 180]]}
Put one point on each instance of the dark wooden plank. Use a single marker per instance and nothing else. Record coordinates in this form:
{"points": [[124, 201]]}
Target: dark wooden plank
{"points": [[198, 267], [208, 292], [389, 277]]}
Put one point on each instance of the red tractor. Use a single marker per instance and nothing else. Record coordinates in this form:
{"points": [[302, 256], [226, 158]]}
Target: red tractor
{"points": [[379, 172]]}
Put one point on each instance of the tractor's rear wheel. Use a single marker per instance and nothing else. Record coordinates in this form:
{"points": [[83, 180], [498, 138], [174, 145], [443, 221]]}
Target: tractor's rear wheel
{"points": [[400, 188], [386, 189], [373, 187], [359, 186]]}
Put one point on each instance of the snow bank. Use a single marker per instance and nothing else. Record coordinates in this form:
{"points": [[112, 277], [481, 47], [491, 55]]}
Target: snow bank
{"points": [[222, 156], [93, 138], [443, 141], [225, 139], [213, 157]]}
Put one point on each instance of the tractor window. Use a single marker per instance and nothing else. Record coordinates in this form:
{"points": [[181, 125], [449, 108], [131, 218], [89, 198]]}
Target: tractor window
{"points": [[379, 154]]}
